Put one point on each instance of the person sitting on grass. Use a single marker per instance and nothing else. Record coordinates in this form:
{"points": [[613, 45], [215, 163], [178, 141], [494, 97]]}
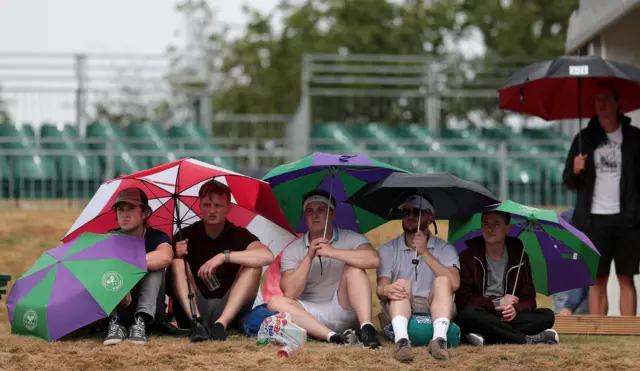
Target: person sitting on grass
{"points": [[215, 248], [488, 310], [404, 287], [328, 301], [140, 306]]}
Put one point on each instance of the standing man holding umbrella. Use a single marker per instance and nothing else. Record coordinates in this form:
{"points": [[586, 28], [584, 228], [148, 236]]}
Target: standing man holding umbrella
{"points": [[604, 171]]}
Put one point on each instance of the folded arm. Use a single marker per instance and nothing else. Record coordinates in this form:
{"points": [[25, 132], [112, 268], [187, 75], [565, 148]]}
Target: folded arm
{"points": [[364, 257], [257, 255], [160, 258], [292, 282]]}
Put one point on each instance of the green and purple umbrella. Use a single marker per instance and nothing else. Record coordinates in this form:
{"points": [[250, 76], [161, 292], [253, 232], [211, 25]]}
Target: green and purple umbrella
{"points": [[75, 284], [562, 258], [340, 175]]}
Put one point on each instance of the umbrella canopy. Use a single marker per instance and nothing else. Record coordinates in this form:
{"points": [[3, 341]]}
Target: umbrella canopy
{"points": [[562, 258], [449, 195], [173, 189], [75, 284], [564, 87], [341, 175]]}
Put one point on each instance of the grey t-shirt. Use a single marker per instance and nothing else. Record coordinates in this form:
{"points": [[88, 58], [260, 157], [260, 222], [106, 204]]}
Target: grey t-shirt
{"points": [[321, 288], [496, 271]]}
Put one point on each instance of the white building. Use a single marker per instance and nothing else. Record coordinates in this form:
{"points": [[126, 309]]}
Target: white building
{"points": [[610, 29]]}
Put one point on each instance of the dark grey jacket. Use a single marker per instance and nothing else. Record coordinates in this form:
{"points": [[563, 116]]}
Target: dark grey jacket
{"points": [[592, 136]]}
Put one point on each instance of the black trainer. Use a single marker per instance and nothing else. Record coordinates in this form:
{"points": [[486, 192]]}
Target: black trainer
{"points": [[116, 332], [369, 336], [217, 332], [545, 337], [137, 331], [198, 332], [348, 337]]}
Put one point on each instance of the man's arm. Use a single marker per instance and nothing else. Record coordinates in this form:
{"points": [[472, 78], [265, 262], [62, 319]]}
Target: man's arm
{"points": [[439, 269], [364, 257], [381, 284], [570, 179], [295, 272], [161, 257], [257, 255], [466, 293]]}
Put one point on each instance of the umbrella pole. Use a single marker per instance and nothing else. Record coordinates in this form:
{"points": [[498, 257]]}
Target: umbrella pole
{"points": [[190, 295], [528, 228], [580, 115], [326, 219]]}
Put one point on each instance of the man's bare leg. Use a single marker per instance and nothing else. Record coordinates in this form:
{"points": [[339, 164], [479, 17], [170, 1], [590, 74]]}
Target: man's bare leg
{"points": [[354, 292], [244, 288], [178, 277], [299, 316], [400, 312], [598, 304], [441, 308], [628, 296]]}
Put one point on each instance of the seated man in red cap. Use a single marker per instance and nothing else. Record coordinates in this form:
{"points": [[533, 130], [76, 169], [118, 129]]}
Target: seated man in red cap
{"points": [[141, 306]]}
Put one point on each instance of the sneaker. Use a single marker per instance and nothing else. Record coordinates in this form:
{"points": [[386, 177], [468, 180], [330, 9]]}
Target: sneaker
{"points": [[403, 352], [438, 349], [116, 332], [369, 336], [137, 332], [348, 337], [545, 337], [198, 332], [475, 339], [217, 332]]}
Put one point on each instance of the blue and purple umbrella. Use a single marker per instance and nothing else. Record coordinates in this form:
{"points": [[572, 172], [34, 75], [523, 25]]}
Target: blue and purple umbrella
{"points": [[75, 284], [562, 258]]}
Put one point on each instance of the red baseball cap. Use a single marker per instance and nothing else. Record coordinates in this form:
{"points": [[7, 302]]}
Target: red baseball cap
{"points": [[133, 196]]}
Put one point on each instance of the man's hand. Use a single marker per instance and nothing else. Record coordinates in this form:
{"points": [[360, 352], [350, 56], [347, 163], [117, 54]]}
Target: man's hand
{"points": [[509, 300], [126, 301], [208, 269], [565, 312], [579, 164], [181, 248], [315, 245], [508, 312], [395, 291], [420, 243], [325, 249]]}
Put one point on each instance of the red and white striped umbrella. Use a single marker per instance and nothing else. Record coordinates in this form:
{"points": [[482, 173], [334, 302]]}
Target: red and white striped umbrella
{"points": [[172, 190]]}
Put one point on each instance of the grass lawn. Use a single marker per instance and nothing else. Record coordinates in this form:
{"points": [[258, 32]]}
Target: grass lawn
{"points": [[25, 234]]}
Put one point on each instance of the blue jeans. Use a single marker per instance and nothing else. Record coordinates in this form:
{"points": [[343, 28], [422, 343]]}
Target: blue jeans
{"points": [[577, 300]]}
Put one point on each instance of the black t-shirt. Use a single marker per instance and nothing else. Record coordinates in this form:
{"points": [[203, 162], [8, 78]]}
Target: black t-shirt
{"points": [[201, 248], [152, 238]]}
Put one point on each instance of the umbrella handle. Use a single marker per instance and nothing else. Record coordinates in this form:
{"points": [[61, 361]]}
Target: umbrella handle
{"points": [[326, 220], [580, 115], [524, 247], [190, 295]]}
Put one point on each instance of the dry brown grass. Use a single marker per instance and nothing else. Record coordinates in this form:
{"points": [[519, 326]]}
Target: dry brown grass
{"points": [[25, 234]]}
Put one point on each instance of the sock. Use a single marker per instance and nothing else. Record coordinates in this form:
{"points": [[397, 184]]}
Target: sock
{"points": [[330, 335], [440, 328], [400, 324], [366, 323]]}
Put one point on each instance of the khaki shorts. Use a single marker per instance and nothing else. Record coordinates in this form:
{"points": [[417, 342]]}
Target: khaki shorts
{"points": [[419, 304]]}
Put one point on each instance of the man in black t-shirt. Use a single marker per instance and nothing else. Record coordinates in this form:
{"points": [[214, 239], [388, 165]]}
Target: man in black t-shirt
{"points": [[140, 306], [215, 247]]}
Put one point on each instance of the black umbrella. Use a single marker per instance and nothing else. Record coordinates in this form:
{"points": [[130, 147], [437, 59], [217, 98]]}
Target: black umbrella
{"points": [[564, 87], [449, 195]]}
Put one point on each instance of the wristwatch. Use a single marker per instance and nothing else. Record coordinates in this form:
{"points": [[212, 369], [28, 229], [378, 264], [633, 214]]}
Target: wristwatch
{"points": [[227, 256]]}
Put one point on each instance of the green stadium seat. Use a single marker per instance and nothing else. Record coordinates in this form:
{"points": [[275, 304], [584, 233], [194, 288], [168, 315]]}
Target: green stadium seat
{"points": [[384, 139], [335, 138], [78, 175], [124, 160], [459, 166], [195, 133], [5, 178], [155, 139]]}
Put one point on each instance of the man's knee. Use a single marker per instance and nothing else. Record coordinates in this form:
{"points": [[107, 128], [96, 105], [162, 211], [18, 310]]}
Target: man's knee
{"points": [[547, 317], [470, 311], [404, 283], [442, 283], [276, 303], [254, 273], [350, 270], [626, 281]]}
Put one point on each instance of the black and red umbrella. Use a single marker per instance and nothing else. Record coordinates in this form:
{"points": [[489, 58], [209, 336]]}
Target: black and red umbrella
{"points": [[565, 87]]}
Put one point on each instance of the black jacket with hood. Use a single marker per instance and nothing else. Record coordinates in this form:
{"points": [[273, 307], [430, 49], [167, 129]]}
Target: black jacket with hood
{"points": [[592, 136]]}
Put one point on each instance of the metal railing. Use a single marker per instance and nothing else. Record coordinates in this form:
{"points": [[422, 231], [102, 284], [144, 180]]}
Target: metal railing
{"points": [[50, 168]]}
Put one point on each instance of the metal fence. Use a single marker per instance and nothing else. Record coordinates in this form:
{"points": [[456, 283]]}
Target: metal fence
{"points": [[54, 169]]}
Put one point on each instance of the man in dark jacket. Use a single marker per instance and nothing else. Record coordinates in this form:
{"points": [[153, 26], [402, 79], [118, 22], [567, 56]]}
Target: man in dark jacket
{"points": [[605, 178], [488, 309]]}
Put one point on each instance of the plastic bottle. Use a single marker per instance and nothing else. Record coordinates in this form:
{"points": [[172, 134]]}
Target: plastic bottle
{"points": [[287, 351], [262, 342]]}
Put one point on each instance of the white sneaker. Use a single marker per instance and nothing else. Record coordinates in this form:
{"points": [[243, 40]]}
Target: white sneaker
{"points": [[475, 339]]}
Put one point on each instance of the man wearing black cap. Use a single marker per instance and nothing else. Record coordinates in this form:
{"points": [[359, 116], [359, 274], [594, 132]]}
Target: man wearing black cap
{"points": [[139, 306]]}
